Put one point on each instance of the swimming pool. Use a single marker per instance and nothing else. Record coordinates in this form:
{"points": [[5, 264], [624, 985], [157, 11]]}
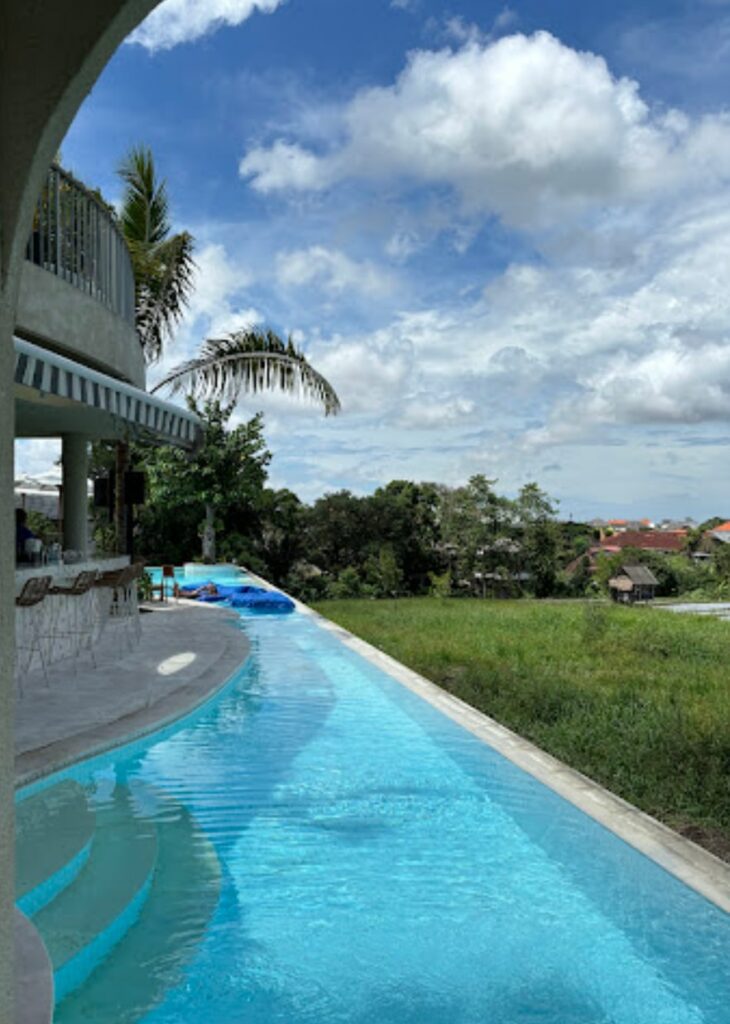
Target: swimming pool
{"points": [[318, 845]]}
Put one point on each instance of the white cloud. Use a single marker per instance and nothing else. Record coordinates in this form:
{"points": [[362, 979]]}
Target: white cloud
{"points": [[216, 279], [332, 270], [524, 127], [181, 21], [284, 165], [369, 374], [37, 457], [429, 411], [506, 18], [402, 244], [217, 306], [461, 31]]}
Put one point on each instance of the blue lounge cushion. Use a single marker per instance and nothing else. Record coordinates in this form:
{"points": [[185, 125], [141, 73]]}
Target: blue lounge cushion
{"points": [[259, 600]]}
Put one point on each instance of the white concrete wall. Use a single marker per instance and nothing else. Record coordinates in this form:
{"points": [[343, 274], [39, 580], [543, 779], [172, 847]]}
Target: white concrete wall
{"points": [[51, 53], [54, 312]]}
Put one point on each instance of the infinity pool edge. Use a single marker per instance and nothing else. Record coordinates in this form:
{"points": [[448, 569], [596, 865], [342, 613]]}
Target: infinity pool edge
{"points": [[699, 869]]}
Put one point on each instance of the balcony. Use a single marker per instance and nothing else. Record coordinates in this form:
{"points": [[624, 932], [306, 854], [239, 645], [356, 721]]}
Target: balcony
{"points": [[79, 365], [77, 284]]}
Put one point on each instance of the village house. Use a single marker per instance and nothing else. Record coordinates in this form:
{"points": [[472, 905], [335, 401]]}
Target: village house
{"points": [[633, 583]]}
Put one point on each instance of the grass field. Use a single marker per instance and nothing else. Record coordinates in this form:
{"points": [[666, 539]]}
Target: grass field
{"points": [[637, 699]]}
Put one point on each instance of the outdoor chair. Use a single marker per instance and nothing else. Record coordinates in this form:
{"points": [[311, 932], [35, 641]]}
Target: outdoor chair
{"points": [[167, 585], [29, 638], [109, 585], [121, 604], [81, 622]]}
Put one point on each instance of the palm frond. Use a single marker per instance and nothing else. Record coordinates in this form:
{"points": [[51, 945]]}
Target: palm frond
{"points": [[251, 361], [145, 207], [163, 265], [164, 286]]}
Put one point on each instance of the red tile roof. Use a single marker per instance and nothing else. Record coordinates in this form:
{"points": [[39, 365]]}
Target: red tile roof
{"points": [[648, 540], [722, 528]]}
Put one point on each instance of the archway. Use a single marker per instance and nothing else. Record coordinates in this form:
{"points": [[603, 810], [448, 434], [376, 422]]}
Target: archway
{"points": [[51, 53]]}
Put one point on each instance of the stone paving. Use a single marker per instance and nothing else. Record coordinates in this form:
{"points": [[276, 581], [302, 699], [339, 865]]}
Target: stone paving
{"points": [[186, 652]]}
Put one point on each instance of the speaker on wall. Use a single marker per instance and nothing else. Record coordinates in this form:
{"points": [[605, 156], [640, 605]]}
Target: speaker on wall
{"points": [[134, 487], [103, 492]]}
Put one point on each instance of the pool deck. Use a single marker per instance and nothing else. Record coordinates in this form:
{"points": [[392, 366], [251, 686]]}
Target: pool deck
{"points": [[186, 653]]}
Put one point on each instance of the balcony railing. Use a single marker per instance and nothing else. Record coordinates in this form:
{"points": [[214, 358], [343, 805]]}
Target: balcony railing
{"points": [[76, 237]]}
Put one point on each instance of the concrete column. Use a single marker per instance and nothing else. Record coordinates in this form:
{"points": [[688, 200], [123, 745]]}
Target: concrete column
{"points": [[7, 645], [75, 466]]}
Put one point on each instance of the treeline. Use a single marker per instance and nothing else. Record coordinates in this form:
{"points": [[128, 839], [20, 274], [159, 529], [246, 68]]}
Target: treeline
{"points": [[405, 539]]}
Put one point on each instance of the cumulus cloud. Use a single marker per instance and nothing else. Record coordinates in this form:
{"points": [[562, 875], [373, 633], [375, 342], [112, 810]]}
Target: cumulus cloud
{"points": [[506, 19], [284, 165], [370, 374], [524, 127], [182, 21], [331, 270], [37, 458], [429, 410], [674, 385]]}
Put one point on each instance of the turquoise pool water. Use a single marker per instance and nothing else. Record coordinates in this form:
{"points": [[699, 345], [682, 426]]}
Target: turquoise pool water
{"points": [[319, 845]]}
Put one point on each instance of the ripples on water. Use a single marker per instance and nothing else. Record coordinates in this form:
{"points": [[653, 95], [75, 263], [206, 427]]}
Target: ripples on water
{"points": [[353, 856]]}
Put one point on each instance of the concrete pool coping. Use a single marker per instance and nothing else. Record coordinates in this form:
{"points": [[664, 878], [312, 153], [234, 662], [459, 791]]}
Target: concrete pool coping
{"points": [[692, 864]]}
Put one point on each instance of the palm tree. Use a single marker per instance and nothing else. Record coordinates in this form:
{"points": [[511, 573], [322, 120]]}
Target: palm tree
{"points": [[163, 278], [250, 360], [163, 263], [247, 360]]}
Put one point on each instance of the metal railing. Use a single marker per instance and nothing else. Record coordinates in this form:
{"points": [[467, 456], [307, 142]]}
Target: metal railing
{"points": [[76, 237]]}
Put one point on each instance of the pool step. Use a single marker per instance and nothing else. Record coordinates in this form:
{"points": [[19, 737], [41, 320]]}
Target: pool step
{"points": [[151, 958], [91, 915], [54, 830]]}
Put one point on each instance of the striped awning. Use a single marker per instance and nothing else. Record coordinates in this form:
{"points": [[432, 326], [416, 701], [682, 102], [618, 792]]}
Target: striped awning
{"points": [[130, 409]]}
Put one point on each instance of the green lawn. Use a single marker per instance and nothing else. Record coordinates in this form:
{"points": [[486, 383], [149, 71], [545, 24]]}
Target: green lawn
{"points": [[638, 699]]}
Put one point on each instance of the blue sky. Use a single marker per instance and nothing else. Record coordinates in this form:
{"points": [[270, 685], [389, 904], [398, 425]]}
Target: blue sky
{"points": [[503, 232]]}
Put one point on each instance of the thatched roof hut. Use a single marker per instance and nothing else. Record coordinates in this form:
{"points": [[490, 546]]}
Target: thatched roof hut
{"points": [[633, 583]]}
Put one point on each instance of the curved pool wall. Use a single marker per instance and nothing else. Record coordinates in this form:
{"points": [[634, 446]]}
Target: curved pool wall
{"points": [[374, 861], [198, 571]]}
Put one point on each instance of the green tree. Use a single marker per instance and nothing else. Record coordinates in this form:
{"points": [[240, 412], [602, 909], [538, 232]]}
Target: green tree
{"points": [[405, 517], [535, 512], [477, 530], [163, 269], [162, 262], [340, 531], [384, 574], [280, 543], [218, 488]]}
